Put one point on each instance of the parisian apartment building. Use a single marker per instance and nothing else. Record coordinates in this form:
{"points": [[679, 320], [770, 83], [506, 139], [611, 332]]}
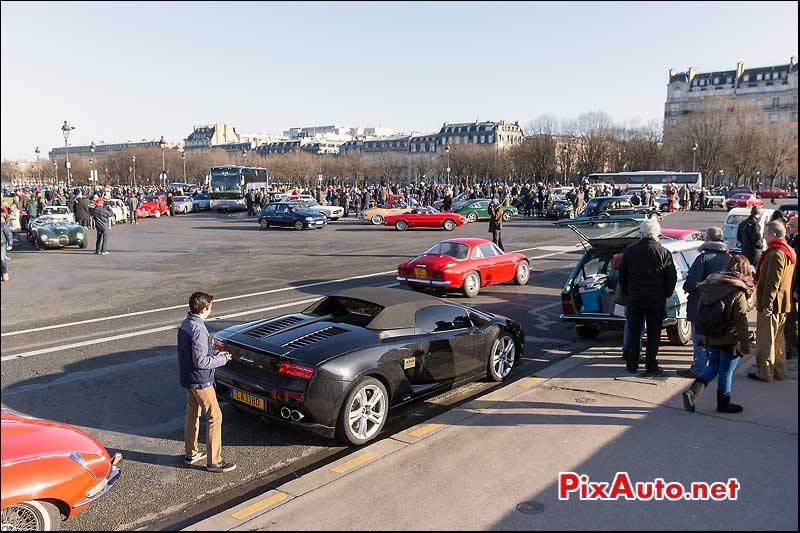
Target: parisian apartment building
{"points": [[765, 95]]}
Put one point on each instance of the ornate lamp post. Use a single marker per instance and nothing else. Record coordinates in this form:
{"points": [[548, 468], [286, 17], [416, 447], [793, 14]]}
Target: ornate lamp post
{"points": [[694, 156], [38, 168], [55, 172], [721, 174], [133, 168], [447, 151], [244, 157], [65, 129], [163, 144], [183, 158], [564, 150], [92, 174]]}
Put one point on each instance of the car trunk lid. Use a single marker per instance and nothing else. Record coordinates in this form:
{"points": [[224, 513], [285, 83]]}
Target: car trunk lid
{"points": [[602, 232]]}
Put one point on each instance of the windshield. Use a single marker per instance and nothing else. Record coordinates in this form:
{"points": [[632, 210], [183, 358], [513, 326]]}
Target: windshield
{"points": [[302, 210], [456, 250], [151, 198], [56, 210], [200, 196], [736, 219], [180, 198]]}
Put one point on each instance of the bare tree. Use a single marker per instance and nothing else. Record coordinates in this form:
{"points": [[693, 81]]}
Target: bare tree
{"points": [[779, 152], [743, 148], [543, 124], [595, 133]]}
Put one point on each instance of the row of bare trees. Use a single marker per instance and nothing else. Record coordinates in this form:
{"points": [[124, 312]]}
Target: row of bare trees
{"points": [[744, 148]]}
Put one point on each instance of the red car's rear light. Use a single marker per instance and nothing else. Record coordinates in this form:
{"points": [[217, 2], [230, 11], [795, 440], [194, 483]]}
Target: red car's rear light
{"points": [[298, 371], [217, 344], [567, 306]]}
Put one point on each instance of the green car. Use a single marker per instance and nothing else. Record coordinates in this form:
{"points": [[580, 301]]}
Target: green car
{"points": [[560, 210], [51, 232], [478, 209]]}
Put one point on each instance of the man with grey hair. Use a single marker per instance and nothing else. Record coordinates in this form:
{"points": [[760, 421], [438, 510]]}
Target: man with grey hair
{"points": [[773, 302], [714, 257], [749, 235], [647, 277]]}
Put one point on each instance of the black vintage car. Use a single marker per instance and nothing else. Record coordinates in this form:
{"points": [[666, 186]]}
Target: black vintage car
{"points": [[340, 365]]}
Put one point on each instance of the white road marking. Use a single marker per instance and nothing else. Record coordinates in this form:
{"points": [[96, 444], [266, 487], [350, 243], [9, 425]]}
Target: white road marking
{"points": [[159, 329], [556, 248], [250, 295]]}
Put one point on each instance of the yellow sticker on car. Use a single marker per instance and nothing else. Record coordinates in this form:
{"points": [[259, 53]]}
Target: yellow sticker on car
{"points": [[409, 362]]}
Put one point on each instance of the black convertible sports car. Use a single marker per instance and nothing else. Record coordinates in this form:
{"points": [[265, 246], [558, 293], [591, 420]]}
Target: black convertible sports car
{"points": [[340, 365]]}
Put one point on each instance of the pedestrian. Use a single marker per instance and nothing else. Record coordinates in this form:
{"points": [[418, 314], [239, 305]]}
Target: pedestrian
{"points": [[648, 278], [748, 233], [133, 205], [196, 364], [170, 204], [81, 209], [5, 246], [790, 331], [713, 258], [773, 302], [102, 215], [496, 223], [723, 326]]}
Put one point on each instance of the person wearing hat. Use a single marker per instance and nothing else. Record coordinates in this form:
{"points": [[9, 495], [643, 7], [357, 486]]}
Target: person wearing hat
{"points": [[647, 277], [101, 214]]}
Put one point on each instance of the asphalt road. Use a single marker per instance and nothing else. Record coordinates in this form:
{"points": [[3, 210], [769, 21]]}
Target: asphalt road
{"points": [[114, 374]]}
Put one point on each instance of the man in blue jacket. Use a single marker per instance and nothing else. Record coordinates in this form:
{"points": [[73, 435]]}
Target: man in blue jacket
{"points": [[196, 363]]}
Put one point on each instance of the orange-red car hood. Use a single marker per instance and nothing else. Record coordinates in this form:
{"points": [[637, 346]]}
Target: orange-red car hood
{"points": [[28, 438]]}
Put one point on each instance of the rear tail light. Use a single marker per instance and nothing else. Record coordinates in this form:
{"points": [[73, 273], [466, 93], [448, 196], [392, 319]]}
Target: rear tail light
{"points": [[567, 306], [295, 370], [217, 344], [438, 274]]}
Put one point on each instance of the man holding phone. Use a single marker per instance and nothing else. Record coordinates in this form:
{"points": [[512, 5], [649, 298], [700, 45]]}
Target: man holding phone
{"points": [[196, 363]]}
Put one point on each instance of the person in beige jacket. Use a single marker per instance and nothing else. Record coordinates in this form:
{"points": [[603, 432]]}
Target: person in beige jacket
{"points": [[773, 302]]}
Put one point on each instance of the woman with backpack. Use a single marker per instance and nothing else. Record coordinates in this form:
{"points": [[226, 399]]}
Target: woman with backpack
{"points": [[722, 325]]}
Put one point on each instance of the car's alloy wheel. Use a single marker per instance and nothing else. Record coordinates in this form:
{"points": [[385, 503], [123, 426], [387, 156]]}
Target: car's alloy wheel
{"points": [[298, 225], [376, 220], [472, 217], [158, 214], [264, 224], [401, 225], [472, 285], [523, 273], [31, 516], [364, 411], [502, 358], [680, 333], [507, 215], [449, 225]]}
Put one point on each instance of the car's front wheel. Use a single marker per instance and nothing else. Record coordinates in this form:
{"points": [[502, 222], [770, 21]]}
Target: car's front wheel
{"points": [[263, 224], [502, 357], [376, 220], [364, 412], [298, 225], [401, 225], [449, 225], [507, 215], [82, 244], [523, 273], [158, 214], [680, 333], [31, 516], [472, 217]]}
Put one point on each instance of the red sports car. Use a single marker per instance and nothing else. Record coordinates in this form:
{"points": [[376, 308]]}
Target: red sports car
{"points": [[466, 264], [743, 199], [425, 217], [152, 206], [773, 193], [50, 470]]}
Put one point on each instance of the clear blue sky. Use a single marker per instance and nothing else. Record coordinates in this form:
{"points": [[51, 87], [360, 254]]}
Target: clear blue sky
{"points": [[120, 71]]}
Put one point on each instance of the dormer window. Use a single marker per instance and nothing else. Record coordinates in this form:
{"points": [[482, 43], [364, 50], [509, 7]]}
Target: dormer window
{"points": [[746, 77]]}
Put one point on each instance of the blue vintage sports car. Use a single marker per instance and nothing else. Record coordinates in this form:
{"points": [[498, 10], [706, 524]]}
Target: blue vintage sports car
{"points": [[290, 215]]}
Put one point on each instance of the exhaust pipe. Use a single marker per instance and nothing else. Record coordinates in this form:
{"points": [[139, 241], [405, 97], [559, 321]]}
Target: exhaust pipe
{"points": [[297, 416], [286, 412]]}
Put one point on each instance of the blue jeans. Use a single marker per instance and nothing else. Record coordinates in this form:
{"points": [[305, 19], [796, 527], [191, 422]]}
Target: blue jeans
{"points": [[701, 356], [626, 333], [102, 242], [720, 364]]}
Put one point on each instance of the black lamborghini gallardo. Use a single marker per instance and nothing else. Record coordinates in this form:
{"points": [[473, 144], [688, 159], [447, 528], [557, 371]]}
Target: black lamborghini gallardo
{"points": [[338, 367]]}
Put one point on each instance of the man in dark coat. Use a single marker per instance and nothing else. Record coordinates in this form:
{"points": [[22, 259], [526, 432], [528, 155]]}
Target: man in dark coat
{"points": [[102, 216], [81, 209], [713, 258], [749, 235], [647, 278]]}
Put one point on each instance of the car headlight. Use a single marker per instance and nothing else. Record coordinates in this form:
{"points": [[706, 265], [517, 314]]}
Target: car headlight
{"points": [[79, 236], [309, 219], [43, 238]]}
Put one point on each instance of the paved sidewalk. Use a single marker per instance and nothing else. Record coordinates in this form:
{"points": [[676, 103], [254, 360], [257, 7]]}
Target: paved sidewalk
{"points": [[470, 467]]}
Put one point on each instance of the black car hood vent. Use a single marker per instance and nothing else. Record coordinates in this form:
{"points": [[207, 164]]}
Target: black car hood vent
{"points": [[311, 338], [270, 328]]}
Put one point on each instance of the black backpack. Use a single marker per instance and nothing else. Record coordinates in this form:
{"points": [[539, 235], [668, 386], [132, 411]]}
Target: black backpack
{"points": [[712, 319]]}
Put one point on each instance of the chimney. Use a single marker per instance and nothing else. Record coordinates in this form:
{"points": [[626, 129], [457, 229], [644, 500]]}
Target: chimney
{"points": [[739, 72], [793, 61], [672, 73]]}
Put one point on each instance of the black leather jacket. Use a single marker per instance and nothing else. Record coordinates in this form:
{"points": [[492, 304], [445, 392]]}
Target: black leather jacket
{"points": [[647, 274]]}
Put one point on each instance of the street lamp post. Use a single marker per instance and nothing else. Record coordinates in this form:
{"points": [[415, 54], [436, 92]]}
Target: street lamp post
{"points": [[65, 129], [694, 156], [163, 144], [55, 172], [38, 168], [244, 156], [133, 167], [564, 162], [93, 178], [447, 151], [183, 158], [758, 179], [721, 174]]}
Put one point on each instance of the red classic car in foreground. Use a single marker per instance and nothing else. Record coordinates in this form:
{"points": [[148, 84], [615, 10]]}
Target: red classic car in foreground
{"points": [[743, 199], [465, 264], [49, 470], [152, 206], [425, 217]]}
